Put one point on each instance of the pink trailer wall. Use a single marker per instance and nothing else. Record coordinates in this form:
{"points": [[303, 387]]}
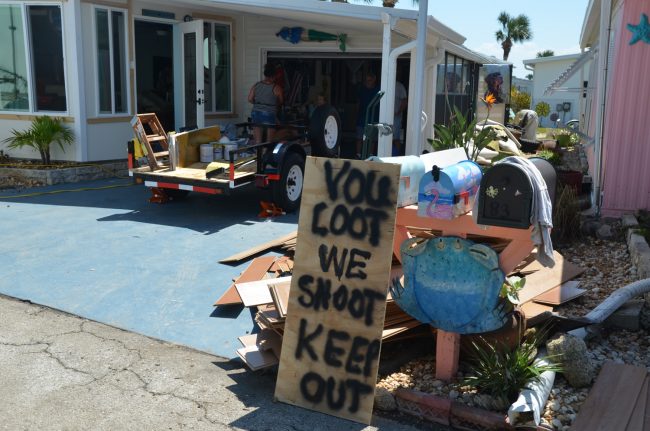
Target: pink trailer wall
{"points": [[626, 154]]}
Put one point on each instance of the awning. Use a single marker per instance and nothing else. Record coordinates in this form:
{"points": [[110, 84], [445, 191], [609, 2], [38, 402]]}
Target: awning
{"points": [[567, 74]]}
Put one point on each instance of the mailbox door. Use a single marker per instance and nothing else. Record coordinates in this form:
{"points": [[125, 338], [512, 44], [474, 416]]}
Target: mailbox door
{"points": [[505, 197]]}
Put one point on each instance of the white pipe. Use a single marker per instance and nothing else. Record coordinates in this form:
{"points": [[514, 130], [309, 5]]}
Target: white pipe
{"points": [[603, 42], [432, 73], [613, 303], [532, 399], [414, 145], [387, 108], [384, 146]]}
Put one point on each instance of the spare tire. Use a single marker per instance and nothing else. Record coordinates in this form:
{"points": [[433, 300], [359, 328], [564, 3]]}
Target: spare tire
{"points": [[325, 132]]}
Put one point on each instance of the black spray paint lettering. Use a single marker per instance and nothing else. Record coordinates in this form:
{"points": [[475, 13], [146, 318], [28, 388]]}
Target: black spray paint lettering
{"points": [[314, 388], [360, 303], [360, 223], [339, 261], [358, 354], [358, 186]]}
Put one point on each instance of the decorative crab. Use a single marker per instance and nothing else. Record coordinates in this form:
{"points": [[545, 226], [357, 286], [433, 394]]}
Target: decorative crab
{"points": [[452, 284]]}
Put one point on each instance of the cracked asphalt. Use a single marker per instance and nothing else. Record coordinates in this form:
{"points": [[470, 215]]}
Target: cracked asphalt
{"points": [[61, 372]]}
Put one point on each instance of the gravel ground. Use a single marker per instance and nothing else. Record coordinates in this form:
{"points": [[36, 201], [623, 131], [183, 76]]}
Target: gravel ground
{"points": [[608, 268]]}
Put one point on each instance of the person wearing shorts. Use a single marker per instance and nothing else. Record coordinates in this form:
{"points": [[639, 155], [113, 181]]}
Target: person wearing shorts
{"points": [[266, 97]]}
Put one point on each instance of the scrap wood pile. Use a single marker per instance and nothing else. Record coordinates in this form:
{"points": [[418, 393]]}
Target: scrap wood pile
{"points": [[266, 282]]}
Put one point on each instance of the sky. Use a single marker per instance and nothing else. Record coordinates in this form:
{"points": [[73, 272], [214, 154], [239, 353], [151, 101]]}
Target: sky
{"points": [[556, 25]]}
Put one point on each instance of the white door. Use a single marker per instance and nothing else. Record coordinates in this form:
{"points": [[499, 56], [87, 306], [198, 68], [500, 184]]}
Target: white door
{"points": [[188, 74]]}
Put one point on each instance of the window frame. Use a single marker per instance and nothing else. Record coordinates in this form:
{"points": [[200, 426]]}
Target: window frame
{"points": [[95, 53], [213, 88], [29, 60]]}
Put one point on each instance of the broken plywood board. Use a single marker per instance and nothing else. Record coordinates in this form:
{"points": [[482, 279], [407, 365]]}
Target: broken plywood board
{"points": [[255, 271], [346, 227], [536, 313], [612, 399], [544, 279], [289, 238], [257, 292], [561, 294]]}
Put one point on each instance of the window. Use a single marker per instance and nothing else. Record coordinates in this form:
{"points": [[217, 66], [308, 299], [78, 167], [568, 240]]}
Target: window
{"points": [[217, 63], [112, 72], [455, 87], [32, 71]]}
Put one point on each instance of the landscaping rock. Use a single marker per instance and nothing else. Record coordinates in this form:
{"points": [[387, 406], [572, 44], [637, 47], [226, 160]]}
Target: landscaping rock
{"points": [[572, 355], [384, 400], [644, 316], [605, 232], [626, 317], [628, 221]]}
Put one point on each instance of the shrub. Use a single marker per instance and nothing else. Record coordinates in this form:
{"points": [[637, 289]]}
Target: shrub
{"points": [[519, 100], [543, 109], [502, 372], [566, 215], [43, 132]]}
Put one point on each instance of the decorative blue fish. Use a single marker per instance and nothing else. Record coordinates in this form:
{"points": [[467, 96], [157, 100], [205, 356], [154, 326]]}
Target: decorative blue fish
{"points": [[452, 284]]}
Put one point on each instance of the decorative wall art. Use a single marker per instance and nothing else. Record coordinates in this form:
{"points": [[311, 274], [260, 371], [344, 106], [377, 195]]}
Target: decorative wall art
{"points": [[298, 34], [640, 32]]}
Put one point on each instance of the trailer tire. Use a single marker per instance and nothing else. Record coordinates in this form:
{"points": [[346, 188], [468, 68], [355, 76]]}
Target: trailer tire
{"points": [[287, 191], [325, 132]]}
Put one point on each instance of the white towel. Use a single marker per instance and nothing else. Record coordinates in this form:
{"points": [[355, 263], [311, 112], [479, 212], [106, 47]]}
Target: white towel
{"points": [[541, 213]]}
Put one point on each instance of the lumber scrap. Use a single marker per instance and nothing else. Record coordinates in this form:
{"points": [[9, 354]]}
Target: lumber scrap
{"points": [[278, 242], [612, 399], [255, 271], [640, 417], [563, 293], [540, 280], [257, 292]]}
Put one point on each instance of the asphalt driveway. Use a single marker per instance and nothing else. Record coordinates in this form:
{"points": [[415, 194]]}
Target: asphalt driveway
{"points": [[105, 253]]}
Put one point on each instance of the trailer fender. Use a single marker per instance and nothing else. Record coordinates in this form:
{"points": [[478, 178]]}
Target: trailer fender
{"points": [[273, 160]]}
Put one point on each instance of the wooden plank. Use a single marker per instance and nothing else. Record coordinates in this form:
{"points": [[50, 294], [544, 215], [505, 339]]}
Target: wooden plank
{"points": [[257, 292], [536, 313], [612, 398], [280, 294], [255, 271], [332, 338], [545, 279], [257, 359], [638, 415], [561, 294], [259, 248]]}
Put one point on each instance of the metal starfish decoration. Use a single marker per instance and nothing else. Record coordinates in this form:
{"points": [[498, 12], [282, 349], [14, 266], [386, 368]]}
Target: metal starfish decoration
{"points": [[640, 31]]}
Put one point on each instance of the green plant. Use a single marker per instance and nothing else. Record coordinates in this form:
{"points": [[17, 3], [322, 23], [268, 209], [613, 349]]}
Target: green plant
{"points": [[546, 53], [503, 372], [552, 157], [510, 289], [43, 132], [462, 133], [519, 100], [543, 109]]}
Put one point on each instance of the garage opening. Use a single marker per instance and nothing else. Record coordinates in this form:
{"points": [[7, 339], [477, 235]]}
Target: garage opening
{"points": [[337, 77]]}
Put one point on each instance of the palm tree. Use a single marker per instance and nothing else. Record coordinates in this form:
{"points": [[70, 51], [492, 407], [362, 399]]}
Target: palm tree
{"points": [[546, 53], [515, 29], [43, 132]]}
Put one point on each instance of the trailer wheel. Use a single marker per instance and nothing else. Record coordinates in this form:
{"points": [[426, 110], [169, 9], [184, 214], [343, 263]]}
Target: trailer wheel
{"points": [[287, 191], [325, 131]]}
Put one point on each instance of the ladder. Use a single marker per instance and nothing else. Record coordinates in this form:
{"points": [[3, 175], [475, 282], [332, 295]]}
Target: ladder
{"points": [[158, 135]]}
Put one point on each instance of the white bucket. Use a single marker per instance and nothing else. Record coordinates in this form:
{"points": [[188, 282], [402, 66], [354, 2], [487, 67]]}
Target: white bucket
{"points": [[207, 153], [226, 151]]}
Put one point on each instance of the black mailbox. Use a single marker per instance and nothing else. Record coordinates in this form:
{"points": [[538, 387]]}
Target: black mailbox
{"points": [[506, 194]]}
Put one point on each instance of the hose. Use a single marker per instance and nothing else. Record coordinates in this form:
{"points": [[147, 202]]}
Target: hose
{"points": [[53, 192]]}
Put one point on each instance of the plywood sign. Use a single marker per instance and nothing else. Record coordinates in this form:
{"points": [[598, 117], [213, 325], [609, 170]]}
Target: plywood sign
{"points": [[337, 300]]}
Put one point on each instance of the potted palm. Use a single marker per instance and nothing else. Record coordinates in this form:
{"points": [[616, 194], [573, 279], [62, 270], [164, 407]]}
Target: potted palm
{"points": [[43, 132]]}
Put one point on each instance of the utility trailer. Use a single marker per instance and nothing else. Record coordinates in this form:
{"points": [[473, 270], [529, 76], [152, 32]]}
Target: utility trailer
{"points": [[277, 165]]}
